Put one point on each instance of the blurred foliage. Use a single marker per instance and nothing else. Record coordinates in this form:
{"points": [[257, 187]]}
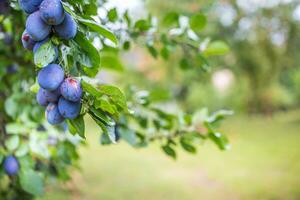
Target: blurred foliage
{"points": [[264, 37]]}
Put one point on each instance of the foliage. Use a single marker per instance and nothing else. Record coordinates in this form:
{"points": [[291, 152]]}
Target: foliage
{"points": [[44, 151]]}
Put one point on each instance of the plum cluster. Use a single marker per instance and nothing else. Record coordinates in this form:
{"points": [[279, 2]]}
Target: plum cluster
{"points": [[59, 94], [46, 17]]}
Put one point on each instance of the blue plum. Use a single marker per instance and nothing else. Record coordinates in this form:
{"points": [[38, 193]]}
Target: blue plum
{"points": [[8, 39], [30, 6], [71, 90], [44, 96], [27, 41], [50, 77], [67, 29], [39, 44], [68, 109], [11, 69], [52, 12], [11, 165], [4, 7], [36, 27], [41, 99], [53, 115]]}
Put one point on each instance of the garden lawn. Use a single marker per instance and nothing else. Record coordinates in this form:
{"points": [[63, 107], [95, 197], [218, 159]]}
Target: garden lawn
{"points": [[262, 164]]}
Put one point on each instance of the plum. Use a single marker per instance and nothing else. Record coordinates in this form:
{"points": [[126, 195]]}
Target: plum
{"points": [[41, 128], [53, 115], [41, 99], [11, 165], [12, 69], [30, 6], [71, 90], [68, 109], [67, 29], [4, 7], [44, 96], [8, 39], [36, 27], [39, 44], [27, 41], [50, 77], [52, 12]]}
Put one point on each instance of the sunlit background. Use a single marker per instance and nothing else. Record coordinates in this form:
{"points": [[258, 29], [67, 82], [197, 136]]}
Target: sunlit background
{"points": [[259, 79]]}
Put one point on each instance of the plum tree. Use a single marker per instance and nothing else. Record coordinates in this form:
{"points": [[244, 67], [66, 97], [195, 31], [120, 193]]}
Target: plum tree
{"points": [[69, 109], [50, 77], [71, 90], [27, 41], [11, 165], [30, 6], [67, 29], [36, 27], [53, 115], [44, 151], [52, 12]]}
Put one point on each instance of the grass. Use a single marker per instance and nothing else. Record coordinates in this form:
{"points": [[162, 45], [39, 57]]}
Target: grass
{"points": [[263, 164]]}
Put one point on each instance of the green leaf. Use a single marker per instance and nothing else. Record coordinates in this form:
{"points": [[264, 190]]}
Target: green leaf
{"points": [[142, 25], [12, 143], [91, 52], [45, 54], [35, 88], [78, 125], [169, 151], [198, 22], [152, 50], [112, 15], [31, 182], [11, 107], [99, 29], [216, 48], [22, 150], [186, 145], [219, 140], [115, 95], [104, 105], [100, 115], [128, 135], [107, 129], [170, 19], [16, 128], [219, 115], [89, 88]]}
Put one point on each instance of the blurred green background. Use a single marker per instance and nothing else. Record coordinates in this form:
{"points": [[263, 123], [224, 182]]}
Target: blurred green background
{"points": [[259, 79]]}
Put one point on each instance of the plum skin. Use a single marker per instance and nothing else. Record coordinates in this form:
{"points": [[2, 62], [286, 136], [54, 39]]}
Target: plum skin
{"points": [[50, 77], [71, 90], [11, 165], [68, 109], [27, 41], [30, 6], [36, 27], [52, 12], [53, 115], [44, 97], [67, 29]]}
